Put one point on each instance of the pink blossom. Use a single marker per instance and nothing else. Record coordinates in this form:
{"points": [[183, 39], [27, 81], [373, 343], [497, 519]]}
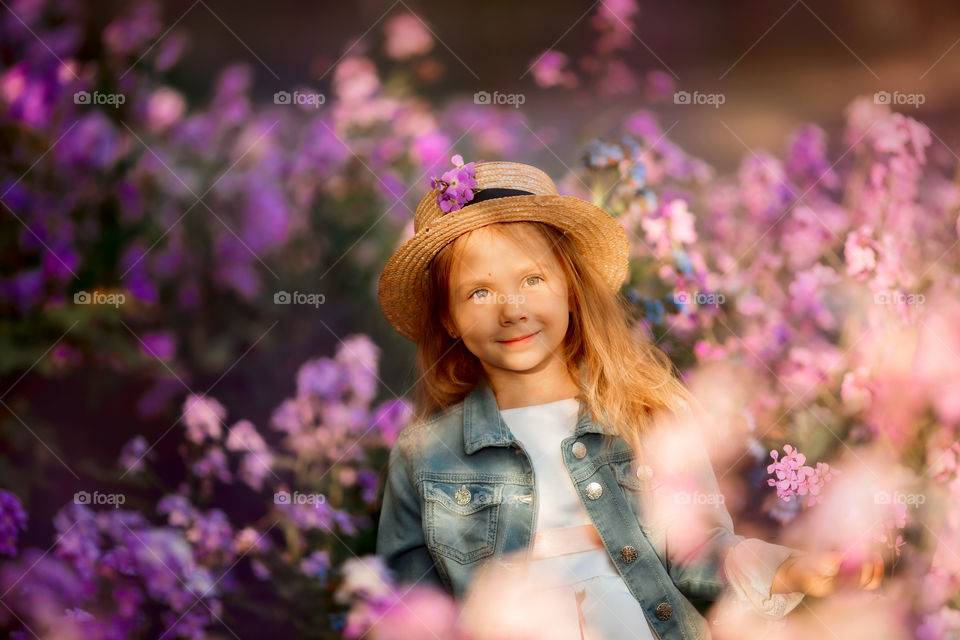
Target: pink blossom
{"points": [[165, 108], [794, 478], [203, 417], [858, 251], [406, 37], [660, 86], [243, 436], [855, 390], [355, 79], [550, 70]]}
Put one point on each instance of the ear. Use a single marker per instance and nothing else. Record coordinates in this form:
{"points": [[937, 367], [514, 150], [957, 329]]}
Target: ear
{"points": [[448, 327]]}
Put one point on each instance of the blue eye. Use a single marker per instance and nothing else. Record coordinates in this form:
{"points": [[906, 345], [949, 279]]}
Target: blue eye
{"points": [[534, 278], [478, 291]]}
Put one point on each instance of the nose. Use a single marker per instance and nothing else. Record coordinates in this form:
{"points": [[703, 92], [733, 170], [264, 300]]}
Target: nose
{"points": [[512, 309]]}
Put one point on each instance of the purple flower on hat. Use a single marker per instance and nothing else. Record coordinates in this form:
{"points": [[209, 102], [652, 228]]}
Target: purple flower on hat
{"points": [[456, 185]]}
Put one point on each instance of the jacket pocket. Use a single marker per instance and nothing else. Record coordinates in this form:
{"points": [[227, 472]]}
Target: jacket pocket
{"points": [[461, 518]]}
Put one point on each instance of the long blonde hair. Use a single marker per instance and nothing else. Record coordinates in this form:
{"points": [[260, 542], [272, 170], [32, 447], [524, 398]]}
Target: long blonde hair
{"points": [[625, 380]]}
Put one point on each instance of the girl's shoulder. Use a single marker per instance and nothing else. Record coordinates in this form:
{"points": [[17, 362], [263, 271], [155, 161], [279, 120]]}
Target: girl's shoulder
{"points": [[438, 422]]}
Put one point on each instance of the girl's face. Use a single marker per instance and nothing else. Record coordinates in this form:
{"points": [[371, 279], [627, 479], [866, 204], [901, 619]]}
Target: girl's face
{"points": [[508, 303]]}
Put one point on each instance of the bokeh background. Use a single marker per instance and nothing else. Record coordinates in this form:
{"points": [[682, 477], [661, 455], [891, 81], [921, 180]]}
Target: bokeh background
{"points": [[197, 198]]}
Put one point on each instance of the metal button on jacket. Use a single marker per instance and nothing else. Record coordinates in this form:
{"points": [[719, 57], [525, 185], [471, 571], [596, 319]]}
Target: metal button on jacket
{"points": [[579, 449], [462, 495], [664, 610], [628, 554], [594, 490], [644, 472]]}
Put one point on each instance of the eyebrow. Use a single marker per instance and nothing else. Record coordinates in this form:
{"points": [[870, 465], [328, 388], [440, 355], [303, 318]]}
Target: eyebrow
{"points": [[479, 281]]}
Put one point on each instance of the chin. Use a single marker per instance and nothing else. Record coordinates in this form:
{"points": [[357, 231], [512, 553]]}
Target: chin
{"points": [[521, 364]]}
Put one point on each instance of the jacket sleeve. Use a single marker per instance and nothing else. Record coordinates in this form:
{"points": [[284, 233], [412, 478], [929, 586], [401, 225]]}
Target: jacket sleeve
{"points": [[699, 530], [400, 540], [716, 561], [750, 568]]}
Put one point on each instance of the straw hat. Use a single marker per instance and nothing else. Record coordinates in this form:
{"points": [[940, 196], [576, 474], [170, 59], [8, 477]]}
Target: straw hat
{"points": [[506, 192]]}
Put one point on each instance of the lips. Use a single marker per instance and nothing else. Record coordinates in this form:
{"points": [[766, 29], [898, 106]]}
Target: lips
{"points": [[518, 339]]}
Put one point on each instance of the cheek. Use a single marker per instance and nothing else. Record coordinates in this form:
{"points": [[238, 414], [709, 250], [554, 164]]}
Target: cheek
{"points": [[469, 317], [558, 310]]}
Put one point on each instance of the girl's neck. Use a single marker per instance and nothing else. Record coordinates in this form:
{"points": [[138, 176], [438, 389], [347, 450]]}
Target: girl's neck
{"points": [[513, 389]]}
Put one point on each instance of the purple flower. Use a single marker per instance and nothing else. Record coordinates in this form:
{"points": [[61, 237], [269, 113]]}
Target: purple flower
{"points": [[391, 417], [159, 344], [456, 185], [213, 464], [316, 564], [320, 377], [133, 453], [287, 417], [178, 510], [12, 518], [360, 358], [255, 467]]}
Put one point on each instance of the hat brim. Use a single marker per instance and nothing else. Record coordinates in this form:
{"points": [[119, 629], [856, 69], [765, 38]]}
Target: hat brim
{"points": [[403, 286]]}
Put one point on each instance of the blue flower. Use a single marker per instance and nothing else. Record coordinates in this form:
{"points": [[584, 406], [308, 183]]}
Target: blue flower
{"points": [[654, 310], [682, 260], [600, 155]]}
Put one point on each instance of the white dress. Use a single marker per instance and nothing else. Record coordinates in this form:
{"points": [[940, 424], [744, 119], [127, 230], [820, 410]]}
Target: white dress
{"points": [[608, 608]]}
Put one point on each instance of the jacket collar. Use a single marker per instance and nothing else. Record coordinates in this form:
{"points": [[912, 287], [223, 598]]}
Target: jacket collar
{"points": [[483, 426]]}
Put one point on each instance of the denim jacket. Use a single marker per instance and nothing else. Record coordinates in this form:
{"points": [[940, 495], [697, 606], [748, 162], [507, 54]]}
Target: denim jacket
{"points": [[431, 533]]}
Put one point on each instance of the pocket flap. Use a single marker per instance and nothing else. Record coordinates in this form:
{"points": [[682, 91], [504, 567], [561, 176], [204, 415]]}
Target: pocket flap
{"points": [[463, 498], [628, 476]]}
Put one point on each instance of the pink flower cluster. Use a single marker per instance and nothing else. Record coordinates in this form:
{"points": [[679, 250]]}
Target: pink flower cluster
{"points": [[456, 185], [794, 478]]}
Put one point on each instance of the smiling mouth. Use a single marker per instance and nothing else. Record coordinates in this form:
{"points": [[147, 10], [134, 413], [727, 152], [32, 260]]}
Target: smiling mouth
{"points": [[522, 340]]}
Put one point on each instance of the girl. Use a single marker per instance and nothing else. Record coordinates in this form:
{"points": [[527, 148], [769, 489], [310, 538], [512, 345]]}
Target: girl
{"points": [[540, 428]]}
